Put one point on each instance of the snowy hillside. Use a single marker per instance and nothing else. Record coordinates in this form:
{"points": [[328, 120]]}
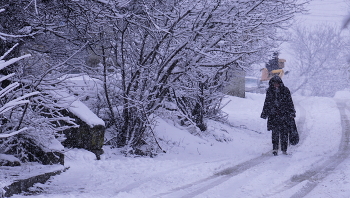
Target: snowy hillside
{"points": [[243, 166]]}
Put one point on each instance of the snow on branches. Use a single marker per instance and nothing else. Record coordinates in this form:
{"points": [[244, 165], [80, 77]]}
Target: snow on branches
{"points": [[15, 102]]}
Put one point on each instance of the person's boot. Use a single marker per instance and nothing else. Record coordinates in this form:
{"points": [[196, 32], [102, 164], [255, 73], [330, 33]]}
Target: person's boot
{"points": [[274, 152], [284, 152]]}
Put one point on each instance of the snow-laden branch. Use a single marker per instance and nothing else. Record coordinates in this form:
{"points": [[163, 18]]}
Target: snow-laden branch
{"points": [[216, 64], [4, 35], [108, 2], [18, 101], [277, 21], [119, 3], [253, 7], [4, 64], [9, 87], [60, 64], [13, 133], [8, 51], [6, 77], [35, 6]]}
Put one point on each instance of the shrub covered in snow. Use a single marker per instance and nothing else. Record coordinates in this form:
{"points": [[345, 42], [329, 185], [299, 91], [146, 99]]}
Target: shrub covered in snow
{"points": [[25, 130]]}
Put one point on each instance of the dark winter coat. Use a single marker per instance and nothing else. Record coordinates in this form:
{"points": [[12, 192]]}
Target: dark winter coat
{"points": [[278, 106]]}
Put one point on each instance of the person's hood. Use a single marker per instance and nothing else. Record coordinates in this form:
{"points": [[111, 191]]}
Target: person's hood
{"points": [[275, 79]]}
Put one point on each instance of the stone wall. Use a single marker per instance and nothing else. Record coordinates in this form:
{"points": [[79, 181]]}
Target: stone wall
{"points": [[23, 185], [86, 137]]}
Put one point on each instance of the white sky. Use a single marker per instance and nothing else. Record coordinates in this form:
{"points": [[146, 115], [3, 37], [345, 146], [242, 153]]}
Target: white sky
{"points": [[320, 12], [325, 11]]}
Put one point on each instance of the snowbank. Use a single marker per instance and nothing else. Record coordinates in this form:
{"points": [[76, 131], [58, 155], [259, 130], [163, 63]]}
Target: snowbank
{"points": [[9, 158], [345, 94]]}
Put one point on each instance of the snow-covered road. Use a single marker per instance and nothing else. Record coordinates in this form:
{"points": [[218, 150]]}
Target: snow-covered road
{"points": [[319, 166]]}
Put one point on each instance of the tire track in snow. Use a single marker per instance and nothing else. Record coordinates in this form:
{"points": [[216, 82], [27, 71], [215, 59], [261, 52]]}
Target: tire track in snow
{"points": [[313, 177], [200, 186], [136, 184]]}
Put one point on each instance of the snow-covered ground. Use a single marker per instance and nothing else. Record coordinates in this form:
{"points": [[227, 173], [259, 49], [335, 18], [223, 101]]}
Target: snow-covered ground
{"points": [[241, 165]]}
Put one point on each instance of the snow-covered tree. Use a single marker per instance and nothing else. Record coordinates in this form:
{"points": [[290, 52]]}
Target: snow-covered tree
{"points": [[14, 103], [41, 120], [176, 50], [319, 66], [152, 53]]}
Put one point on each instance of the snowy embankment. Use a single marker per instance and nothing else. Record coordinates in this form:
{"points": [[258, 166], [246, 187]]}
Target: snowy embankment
{"points": [[190, 166]]}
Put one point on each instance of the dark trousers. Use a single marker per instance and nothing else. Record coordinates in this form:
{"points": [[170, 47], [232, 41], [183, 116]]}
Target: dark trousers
{"points": [[280, 133]]}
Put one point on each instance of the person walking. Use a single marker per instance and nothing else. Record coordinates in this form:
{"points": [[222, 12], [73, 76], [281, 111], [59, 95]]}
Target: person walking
{"points": [[280, 113]]}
